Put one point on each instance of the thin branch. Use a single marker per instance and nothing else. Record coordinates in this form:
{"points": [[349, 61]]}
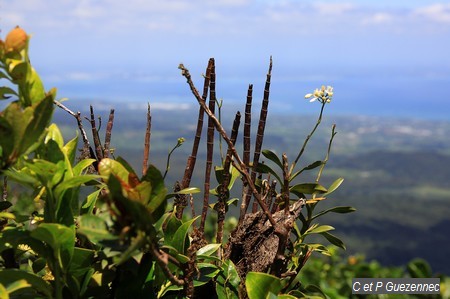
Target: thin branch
{"points": [[147, 141], [162, 259], [246, 194], [261, 127], [224, 190], [209, 141], [95, 136], [109, 127], [285, 191], [87, 149], [242, 167], [193, 157], [79, 122]]}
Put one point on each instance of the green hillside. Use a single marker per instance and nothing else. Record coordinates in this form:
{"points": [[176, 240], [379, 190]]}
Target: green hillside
{"points": [[395, 172]]}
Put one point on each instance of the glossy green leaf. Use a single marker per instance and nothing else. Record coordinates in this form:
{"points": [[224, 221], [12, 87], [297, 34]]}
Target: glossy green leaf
{"points": [[179, 239], [340, 210], [94, 228], [60, 238], [263, 168], [75, 181], [108, 167], [319, 229], [4, 205], [91, 199], [6, 92], [228, 280], [333, 240], [82, 259], [261, 285], [309, 167], [53, 133], [335, 185], [272, 157], [189, 190], [218, 170], [42, 114], [132, 250], [419, 268], [9, 276], [17, 285], [157, 201], [308, 188], [82, 165], [208, 249], [7, 141], [70, 149], [17, 120]]}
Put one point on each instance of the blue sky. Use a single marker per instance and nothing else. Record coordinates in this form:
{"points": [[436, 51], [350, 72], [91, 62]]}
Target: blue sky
{"points": [[130, 50]]}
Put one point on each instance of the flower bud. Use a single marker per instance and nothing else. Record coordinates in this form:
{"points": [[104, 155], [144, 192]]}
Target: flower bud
{"points": [[16, 40]]}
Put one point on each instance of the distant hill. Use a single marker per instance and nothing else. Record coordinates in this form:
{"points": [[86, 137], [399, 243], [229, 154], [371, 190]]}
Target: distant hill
{"points": [[396, 171]]}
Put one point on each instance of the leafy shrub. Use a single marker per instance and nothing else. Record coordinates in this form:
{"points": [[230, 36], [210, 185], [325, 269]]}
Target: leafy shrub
{"points": [[127, 237]]}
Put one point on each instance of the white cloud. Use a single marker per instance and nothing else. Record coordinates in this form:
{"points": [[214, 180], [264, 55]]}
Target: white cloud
{"points": [[379, 18], [333, 8], [436, 12]]}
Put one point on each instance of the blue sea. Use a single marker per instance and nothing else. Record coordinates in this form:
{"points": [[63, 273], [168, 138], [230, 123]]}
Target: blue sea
{"points": [[399, 97]]}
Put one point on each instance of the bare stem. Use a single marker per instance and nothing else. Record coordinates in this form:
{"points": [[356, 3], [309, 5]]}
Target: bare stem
{"points": [[109, 127], [242, 167], [96, 137], [307, 140], [333, 133], [246, 193], [147, 141], [261, 127], [209, 141]]}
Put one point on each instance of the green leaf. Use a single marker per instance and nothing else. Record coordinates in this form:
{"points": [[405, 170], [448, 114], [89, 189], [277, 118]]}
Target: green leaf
{"points": [[5, 91], [333, 240], [75, 181], [228, 280], [157, 201], [208, 249], [82, 165], [70, 149], [42, 114], [189, 190], [108, 167], [90, 202], [4, 205], [17, 285], [307, 188], [309, 167], [340, 210], [319, 229], [82, 259], [263, 168], [419, 268], [272, 157], [53, 133], [262, 285], [60, 238], [94, 228], [9, 276], [179, 239], [334, 185]]}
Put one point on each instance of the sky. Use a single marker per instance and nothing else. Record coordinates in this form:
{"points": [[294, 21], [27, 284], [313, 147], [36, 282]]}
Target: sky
{"points": [[387, 57]]}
